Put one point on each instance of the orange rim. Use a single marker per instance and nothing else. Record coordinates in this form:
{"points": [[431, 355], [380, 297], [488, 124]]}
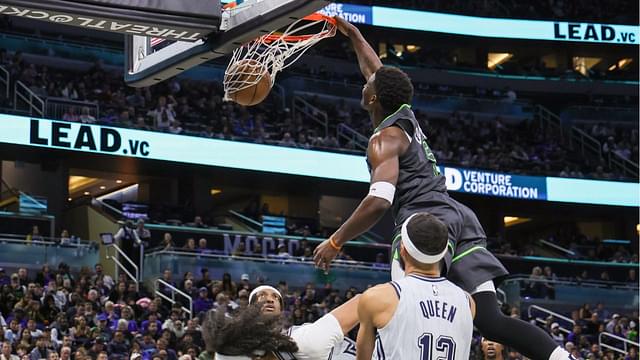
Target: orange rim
{"points": [[297, 38]]}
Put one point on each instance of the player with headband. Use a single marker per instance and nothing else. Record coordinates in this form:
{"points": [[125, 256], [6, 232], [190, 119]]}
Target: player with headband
{"points": [[433, 316], [257, 332], [405, 177]]}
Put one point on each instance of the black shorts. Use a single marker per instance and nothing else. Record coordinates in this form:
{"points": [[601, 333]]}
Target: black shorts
{"points": [[468, 263]]}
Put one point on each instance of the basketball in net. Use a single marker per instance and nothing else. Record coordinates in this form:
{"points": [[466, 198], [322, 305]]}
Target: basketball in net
{"points": [[253, 67], [248, 71]]}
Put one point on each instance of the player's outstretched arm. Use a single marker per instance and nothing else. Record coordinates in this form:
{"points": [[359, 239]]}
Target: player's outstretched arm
{"points": [[368, 60], [347, 314], [316, 340], [383, 152]]}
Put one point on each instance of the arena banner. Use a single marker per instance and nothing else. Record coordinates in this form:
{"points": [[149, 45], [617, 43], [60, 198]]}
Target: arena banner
{"points": [[97, 139], [495, 184], [504, 28], [485, 27], [356, 14]]}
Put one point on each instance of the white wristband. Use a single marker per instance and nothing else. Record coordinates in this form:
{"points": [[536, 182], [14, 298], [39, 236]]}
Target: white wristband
{"points": [[383, 190]]}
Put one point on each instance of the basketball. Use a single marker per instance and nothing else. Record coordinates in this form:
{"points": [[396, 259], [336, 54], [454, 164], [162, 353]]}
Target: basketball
{"points": [[256, 77]]}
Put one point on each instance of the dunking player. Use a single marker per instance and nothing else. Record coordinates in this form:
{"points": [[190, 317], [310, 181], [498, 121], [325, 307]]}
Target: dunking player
{"points": [[404, 176], [260, 333], [422, 308]]}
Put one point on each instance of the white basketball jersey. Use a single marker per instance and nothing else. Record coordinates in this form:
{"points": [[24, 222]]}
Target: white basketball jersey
{"points": [[432, 321]]}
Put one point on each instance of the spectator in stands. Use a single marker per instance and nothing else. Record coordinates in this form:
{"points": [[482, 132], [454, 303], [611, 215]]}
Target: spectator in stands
{"points": [[611, 325], [189, 288], [228, 286], [240, 250], [40, 351], [575, 335], [585, 312], [535, 287], [631, 277], [203, 303], [163, 114], [593, 325], [557, 336], [602, 312], [106, 279], [190, 245], [164, 351], [65, 238], [632, 333], [197, 222], [167, 277], [167, 242], [7, 352], [86, 117], [633, 353], [492, 350], [204, 281], [202, 246], [12, 334], [118, 347], [143, 233], [595, 351], [287, 140], [4, 279], [34, 235]]}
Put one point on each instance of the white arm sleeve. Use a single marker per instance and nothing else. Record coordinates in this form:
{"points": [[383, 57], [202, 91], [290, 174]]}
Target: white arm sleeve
{"points": [[316, 340]]}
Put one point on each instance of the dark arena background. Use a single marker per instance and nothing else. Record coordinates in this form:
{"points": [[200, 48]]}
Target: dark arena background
{"points": [[147, 206]]}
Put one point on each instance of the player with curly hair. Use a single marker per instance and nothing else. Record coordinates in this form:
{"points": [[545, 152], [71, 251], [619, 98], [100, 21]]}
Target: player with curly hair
{"points": [[258, 332]]}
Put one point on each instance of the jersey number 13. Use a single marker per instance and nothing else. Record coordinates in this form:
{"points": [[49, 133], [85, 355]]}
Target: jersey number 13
{"points": [[445, 347]]}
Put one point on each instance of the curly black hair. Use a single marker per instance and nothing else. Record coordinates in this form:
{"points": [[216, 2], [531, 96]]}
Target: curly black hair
{"points": [[393, 88], [245, 333]]}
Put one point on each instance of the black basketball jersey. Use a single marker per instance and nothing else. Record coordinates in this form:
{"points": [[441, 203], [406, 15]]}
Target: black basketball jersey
{"points": [[419, 173]]}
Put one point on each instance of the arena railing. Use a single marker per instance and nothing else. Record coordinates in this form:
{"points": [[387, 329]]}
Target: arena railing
{"points": [[56, 107], [172, 299], [602, 341], [117, 254], [16, 251], [594, 114], [557, 247], [5, 81], [299, 105], [577, 139], [296, 271], [33, 103], [344, 132], [561, 319], [565, 294]]}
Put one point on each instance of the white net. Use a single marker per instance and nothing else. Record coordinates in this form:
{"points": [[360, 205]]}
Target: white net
{"points": [[269, 54]]}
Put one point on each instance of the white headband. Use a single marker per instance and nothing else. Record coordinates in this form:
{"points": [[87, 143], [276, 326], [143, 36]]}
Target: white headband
{"points": [[230, 357], [261, 288], [413, 250]]}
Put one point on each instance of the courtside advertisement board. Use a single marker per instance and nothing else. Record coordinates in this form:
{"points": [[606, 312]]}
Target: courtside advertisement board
{"points": [[98, 139]]}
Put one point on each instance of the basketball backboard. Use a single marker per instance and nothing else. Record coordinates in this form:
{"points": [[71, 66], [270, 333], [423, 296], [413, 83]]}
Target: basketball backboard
{"points": [[150, 60]]}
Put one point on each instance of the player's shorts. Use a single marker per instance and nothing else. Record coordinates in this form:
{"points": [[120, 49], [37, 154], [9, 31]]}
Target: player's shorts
{"points": [[468, 263]]}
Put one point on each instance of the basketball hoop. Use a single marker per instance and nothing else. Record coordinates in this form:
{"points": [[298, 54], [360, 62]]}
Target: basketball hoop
{"points": [[273, 52]]}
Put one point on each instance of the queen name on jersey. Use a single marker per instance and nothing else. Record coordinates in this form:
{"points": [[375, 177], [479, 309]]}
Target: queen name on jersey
{"points": [[440, 309]]}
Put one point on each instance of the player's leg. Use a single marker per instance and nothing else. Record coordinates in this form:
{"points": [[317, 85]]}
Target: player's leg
{"points": [[474, 269], [529, 340]]}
